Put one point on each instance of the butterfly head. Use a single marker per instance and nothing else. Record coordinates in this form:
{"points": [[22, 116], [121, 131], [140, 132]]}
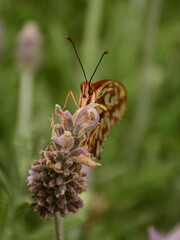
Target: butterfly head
{"points": [[87, 93]]}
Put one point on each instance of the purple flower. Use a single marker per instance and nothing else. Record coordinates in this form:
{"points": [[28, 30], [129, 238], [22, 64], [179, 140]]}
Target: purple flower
{"points": [[57, 178], [32, 176], [155, 235], [29, 46]]}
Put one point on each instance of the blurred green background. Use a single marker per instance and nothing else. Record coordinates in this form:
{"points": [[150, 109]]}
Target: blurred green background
{"points": [[139, 182]]}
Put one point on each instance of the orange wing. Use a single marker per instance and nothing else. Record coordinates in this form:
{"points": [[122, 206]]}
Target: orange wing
{"points": [[111, 95]]}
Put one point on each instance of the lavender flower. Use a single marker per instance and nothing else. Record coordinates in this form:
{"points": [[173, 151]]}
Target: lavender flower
{"points": [[57, 179], [155, 235], [29, 46]]}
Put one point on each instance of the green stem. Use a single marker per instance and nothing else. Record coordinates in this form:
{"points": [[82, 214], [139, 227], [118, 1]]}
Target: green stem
{"points": [[25, 102], [144, 102], [58, 227], [22, 140]]}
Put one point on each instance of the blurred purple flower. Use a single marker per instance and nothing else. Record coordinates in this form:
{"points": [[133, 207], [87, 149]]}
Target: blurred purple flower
{"points": [[29, 52], [155, 235]]}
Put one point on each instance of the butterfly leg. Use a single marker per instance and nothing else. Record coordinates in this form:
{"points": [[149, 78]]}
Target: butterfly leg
{"points": [[70, 93]]}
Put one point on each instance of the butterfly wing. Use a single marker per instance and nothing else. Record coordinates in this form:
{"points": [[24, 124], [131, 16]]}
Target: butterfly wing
{"points": [[111, 96]]}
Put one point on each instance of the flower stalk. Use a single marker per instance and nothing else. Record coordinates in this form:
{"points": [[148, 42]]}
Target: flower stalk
{"points": [[28, 57], [25, 101], [58, 227]]}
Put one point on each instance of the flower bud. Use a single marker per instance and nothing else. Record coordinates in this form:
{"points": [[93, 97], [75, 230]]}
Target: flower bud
{"points": [[29, 46], [85, 120]]}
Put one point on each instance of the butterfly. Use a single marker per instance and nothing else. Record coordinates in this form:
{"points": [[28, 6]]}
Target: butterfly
{"points": [[111, 97]]}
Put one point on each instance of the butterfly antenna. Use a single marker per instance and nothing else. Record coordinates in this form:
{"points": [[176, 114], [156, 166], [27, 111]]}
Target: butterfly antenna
{"points": [[105, 52], [68, 38]]}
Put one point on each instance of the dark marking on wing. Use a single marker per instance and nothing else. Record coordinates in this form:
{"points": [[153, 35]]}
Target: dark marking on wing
{"points": [[111, 96]]}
